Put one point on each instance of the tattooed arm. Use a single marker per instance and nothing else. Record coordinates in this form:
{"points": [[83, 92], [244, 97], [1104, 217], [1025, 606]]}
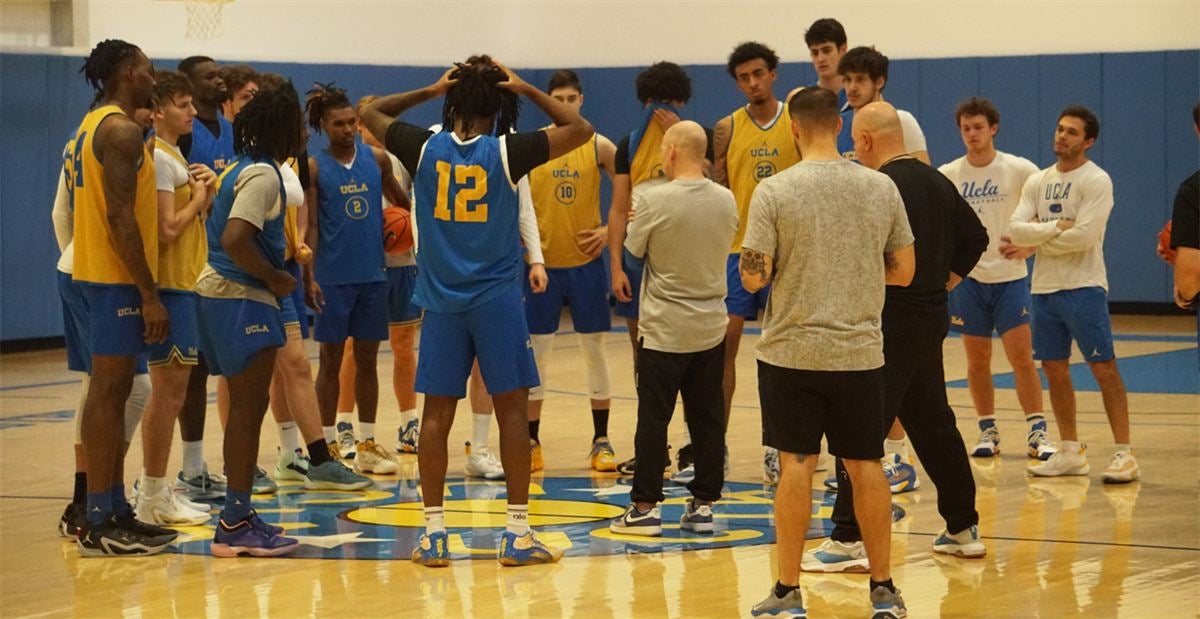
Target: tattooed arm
{"points": [[756, 269]]}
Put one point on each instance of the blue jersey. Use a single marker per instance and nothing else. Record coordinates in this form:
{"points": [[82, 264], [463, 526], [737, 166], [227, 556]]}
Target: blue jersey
{"points": [[270, 239], [214, 152], [349, 219], [466, 208], [845, 138]]}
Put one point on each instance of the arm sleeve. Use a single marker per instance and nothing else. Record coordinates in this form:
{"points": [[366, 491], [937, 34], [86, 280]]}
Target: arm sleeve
{"points": [[900, 235], [256, 194], [405, 141], [64, 220], [970, 237], [1090, 221], [914, 138], [621, 162], [761, 235], [1026, 233], [525, 151], [637, 235], [1185, 217], [527, 220]]}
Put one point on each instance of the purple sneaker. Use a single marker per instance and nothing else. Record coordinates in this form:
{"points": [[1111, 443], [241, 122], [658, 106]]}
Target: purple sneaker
{"points": [[250, 537]]}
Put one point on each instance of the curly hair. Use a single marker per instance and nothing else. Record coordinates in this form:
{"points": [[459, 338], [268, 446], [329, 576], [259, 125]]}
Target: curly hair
{"points": [[1091, 124], [237, 76], [751, 50], [476, 95], [168, 84], [269, 125], [320, 99], [103, 62], [977, 106], [663, 82], [864, 60]]}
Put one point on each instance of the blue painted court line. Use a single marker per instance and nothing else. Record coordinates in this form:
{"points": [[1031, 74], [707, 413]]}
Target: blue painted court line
{"points": [[1126, 337], [1177, 371]]}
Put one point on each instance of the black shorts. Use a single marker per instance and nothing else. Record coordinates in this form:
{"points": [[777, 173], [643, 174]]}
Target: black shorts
{"points": [[801, 406]]}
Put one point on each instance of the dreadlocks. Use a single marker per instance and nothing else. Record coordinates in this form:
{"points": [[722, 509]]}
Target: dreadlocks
{"points": [[102, 64], [322, 98], [476, 95], [269, 125]]}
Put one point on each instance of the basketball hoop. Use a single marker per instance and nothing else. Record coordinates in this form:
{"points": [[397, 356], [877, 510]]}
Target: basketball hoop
{"points": [[204, 18]]}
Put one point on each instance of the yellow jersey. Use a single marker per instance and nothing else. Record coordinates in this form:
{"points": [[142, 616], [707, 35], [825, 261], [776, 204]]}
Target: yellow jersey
{"points": [[180, 261], [566, 199], [96, 261], [646, 163], [755, 152], [291, 226]]}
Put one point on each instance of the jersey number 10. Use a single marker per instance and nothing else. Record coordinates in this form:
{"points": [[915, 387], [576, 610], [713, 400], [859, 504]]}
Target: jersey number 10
{"points": [[470, 185]]}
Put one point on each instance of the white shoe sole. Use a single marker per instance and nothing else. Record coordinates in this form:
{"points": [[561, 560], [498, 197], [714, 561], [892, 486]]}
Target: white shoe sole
{"points": [[853, 566], [380, 468], [1071, 472], [648, 531], [1123, 478], [969, 551]]}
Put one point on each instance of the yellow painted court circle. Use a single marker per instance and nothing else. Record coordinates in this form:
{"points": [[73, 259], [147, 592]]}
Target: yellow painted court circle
{"points": [[487, 513]]}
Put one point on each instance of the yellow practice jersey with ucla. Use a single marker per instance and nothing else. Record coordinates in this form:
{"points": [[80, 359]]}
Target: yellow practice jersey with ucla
{"points": [[96, 261], [646, 163], [291, 225], [566, 198], [755, 152], [181, 260]]}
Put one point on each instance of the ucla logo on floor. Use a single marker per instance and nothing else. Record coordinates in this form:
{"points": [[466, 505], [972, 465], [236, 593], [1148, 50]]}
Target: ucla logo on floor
{"points": [[570, 512]]}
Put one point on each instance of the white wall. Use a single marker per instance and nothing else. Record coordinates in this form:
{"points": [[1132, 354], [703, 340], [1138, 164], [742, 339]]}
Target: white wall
{"points": [[622, 33], [24, 23]]}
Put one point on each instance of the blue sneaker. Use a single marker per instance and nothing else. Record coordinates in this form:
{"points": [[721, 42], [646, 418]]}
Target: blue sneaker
{"points": [[410, 436], [345, 440], [790, 605], [965, 543], [204, 486], [251, 537], [887, 604], [989, 443], [697, 518], [334, 475], [432, 550], [901, 476], [635, 522], [1039, 445], [525, 550], [262, 484]]}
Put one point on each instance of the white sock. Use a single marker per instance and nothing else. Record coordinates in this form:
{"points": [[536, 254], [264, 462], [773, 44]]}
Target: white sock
{"points": [[1124, 447], [435, 520], [366, 430], [408, 416], [289, 437], [330, 434], [897, 447], [345, 418], [518, 519], [1071, 447], [481, 425], [152, 486], [193, 458]]}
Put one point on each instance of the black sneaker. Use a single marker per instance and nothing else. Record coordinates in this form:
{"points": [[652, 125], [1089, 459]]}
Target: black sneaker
{"points": [[683, 457], [71, 521], [110, 539], [629, 466], [158, 535]]}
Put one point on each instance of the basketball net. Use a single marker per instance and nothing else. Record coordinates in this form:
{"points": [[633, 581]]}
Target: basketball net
{"points": [[204, 18]]}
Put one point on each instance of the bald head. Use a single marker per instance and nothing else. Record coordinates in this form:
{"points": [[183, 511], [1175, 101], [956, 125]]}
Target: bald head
{"points": [[684, 146], [877, 134]]}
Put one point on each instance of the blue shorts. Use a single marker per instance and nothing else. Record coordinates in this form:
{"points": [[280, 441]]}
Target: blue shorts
{"points": [[183, 342], [401, 309], [75, 326], [630, 309], [495, 332], [584, 289], [978, 309], [353, 310], [232, 331], [114, 319], [1080, 314], [299, 309], [738, 300], [290, 314]]}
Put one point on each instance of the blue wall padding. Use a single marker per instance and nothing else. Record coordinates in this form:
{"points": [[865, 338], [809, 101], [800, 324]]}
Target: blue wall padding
{"points": [[1144, 101]]}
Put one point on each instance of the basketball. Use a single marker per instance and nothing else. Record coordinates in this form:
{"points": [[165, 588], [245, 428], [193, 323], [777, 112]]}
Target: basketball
{"points": [[397, 233], [1164, 244]]}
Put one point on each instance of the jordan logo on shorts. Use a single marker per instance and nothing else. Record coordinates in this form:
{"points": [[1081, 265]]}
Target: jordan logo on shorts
{"points": [[1096, 352]]}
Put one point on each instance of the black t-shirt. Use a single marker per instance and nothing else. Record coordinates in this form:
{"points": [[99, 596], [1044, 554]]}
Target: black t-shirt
{"points": [[1185, 218], [524, 151], [949, 236], [622, 163], [185, 141]]}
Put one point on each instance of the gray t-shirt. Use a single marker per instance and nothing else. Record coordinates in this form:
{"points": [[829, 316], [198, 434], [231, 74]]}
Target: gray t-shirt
{"points": [[256, 200], [826, 226], [683, 230]]}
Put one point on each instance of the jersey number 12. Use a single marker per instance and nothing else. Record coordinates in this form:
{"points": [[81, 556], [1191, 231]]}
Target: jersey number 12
{"points": [[470, 185]]}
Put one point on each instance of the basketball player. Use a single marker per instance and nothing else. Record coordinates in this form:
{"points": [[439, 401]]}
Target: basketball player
{"points": [[241, 84], [995, 296], [1063, 212], [209, 143], [183, 197], [241, 325], [864, 73], [349, 282], [752, 143], [820, 357], [1185, 226], [566, 198], [679, 237], [116, 258], [467, 281], [949, 241], [826, 41]]}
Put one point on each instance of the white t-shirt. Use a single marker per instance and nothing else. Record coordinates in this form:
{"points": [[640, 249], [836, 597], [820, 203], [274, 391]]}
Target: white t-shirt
{"points": [[1073, 258], [994, 192], [169, 171], [914, 138]]}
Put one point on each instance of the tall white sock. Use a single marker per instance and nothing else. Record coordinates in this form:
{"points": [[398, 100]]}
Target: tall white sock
{"points": [[152, 486], [481, 425], [345, 418], [897, 447], [407, 416], [366, 430], [435, 520], [289, 437], [330, 434], [193, 458], [518, 519]]}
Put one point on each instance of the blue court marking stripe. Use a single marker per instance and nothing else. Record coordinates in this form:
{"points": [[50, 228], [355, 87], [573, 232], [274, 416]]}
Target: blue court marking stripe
{"points": [[1174, 372]]}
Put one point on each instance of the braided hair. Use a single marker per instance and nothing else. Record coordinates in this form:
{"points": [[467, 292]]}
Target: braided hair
{"points": [[322, 98], [475, 95], [269, 125], [102, 63]]}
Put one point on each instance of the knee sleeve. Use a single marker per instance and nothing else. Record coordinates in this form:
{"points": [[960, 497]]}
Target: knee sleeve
{"points": [[597, 364], [542, 345], [139, 397], [83, 390]]}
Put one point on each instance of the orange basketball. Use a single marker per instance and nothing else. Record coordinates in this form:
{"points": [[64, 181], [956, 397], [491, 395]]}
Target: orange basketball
{"points": [[397, 231]]}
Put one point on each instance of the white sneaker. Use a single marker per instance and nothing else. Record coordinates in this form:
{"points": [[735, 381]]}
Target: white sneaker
{"points": [[770, 465], [988, 445], [345, 441], [685, 476], [374, 458], [291, 466], [164, 509], [1063, 463], [482, 463], [965, 543], [1122, 470], [833, 556]]}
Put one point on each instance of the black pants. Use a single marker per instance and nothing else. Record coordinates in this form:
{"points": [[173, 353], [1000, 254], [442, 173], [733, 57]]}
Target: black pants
{"points": [[915, 391], [661, 376]]}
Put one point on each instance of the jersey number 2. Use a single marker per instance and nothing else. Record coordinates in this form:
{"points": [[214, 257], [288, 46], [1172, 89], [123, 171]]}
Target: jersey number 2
{"points": [[470, 185]]}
